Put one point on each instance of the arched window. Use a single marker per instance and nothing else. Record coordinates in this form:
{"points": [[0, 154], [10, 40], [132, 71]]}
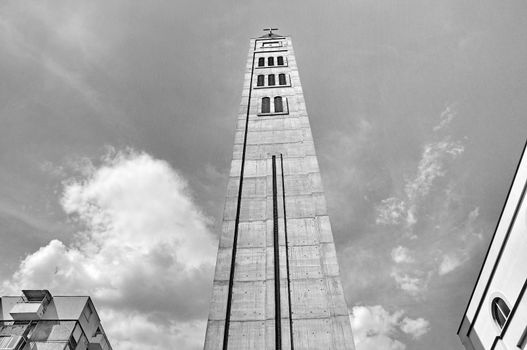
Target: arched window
{"points": [[278, 105], [266, 105], [270, 61], [281, 79], [280, 60], [261, 62], [270, 80], [260, 81], [500, 311]]}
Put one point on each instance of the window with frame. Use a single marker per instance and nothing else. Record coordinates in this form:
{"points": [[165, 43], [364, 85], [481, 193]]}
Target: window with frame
{"points": [[500, 311], [280, 60], [270, 80], [266, 105], [261, 62], [77, 332], [260, 80], [83, 342], [5, 341], [281, 79], [270, 61], [88, 311], [278, 104], [72, 343], [272, 44], [8, 341]]}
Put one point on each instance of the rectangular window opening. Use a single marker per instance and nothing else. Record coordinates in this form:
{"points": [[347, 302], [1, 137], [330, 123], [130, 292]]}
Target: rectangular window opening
{"points": [[272, 44]]}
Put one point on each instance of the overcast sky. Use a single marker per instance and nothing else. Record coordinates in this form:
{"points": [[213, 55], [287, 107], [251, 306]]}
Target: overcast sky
{"points": [[117, 130]]}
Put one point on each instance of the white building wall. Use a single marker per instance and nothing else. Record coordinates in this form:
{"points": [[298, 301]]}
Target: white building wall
{"points": [[504, 274]]}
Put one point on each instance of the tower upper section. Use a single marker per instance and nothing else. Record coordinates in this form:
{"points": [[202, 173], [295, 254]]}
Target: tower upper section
{"points": [[277, 283]]}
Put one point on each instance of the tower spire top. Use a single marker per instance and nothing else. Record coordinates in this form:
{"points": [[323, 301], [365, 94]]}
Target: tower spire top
{"points": [[270, 30]]}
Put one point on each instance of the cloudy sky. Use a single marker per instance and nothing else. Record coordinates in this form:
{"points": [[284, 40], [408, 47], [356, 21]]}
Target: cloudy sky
{"points": [[117, 129]]}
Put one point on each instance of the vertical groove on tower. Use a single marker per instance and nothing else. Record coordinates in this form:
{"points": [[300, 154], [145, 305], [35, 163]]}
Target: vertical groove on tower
{"points": [[237, 220], [276, 249]]}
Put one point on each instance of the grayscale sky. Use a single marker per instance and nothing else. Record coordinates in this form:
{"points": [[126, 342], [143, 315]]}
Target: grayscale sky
{"points": [[117, 129]]}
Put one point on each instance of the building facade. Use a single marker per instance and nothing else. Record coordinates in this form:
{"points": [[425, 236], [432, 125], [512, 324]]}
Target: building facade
{"points": [[36, 320], [277, 283], [496, 316]]}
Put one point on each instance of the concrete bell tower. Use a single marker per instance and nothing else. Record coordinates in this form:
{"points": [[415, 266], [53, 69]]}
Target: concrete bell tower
{"points": [[277, 283]]}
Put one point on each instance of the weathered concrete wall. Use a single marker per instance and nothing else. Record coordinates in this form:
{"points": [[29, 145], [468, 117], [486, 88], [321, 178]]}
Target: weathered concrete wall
{"points": [[319, 313]]}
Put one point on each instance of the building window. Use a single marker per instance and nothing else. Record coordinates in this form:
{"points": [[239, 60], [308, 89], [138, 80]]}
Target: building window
{"points": [[500, 311], [266, 105], [72, 343], [278, 105], [274, 105], [261, 62], [281, 79], [280, 60], [272, 44], [260, 81], [270, 80], [77, 332], [88, 311], [5, 341], [11, 342], [270, 61]]}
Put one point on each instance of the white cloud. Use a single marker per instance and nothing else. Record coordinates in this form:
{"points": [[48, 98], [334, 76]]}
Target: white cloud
{"points": [[446, 117], [374, 328], [145, 255], [391, 211], [449, 263], [468, 235], [412, 213], [402, 254], [412, 284], [415, 327], [431, 166], [148, 334], [470, 230], [473, 215]]}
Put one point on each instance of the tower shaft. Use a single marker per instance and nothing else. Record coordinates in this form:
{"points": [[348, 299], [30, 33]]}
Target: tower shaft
{"points": [[277, 283]]}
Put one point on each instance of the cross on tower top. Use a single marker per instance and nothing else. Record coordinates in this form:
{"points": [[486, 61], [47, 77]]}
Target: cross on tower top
{"points": [[270, 30]]}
